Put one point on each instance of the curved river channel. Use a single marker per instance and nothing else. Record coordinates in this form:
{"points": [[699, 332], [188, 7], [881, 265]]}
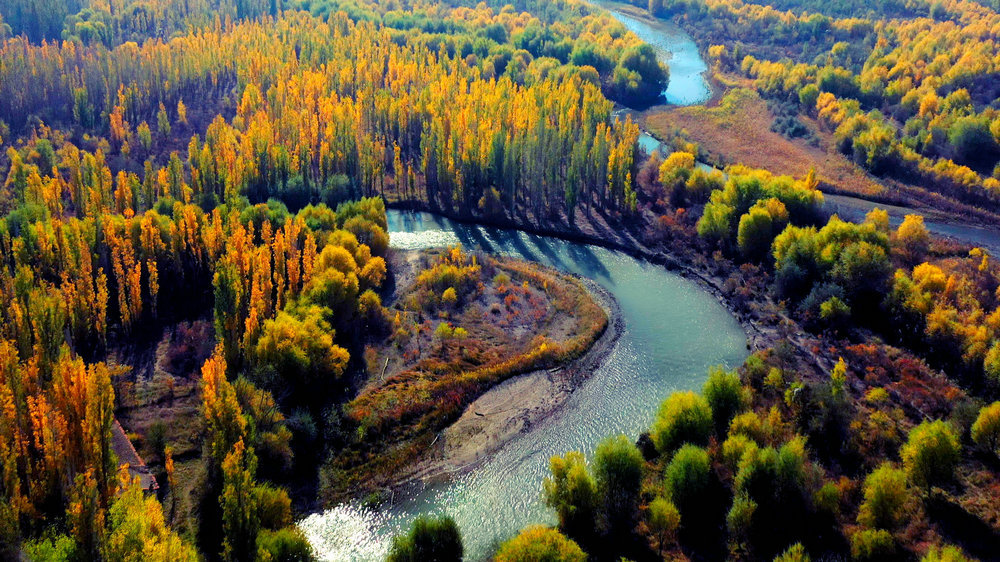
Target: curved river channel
{"points": [[674, 331]]}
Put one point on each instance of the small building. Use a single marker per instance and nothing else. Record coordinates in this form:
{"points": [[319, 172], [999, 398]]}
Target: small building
{"points": [[128, 455]]}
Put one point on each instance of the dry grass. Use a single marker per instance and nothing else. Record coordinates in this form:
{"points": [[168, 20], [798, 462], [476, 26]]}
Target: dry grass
{"points": [[738, 131]]}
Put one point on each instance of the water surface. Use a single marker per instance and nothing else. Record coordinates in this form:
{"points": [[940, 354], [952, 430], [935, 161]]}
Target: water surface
{"points": [[687, 85], [673, 332]]}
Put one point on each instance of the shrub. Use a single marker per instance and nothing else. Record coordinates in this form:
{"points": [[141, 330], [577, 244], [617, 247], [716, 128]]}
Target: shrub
{"points": [[687, 477], [284, 545], [725, 397], [945, 553], [872, 544], [885, 495], [986, 429], [734, 448], [750, 425], [931, 453], [740, 516], [431, 539], [618, 474], [684, 417], [795, 553], [540, 544]]}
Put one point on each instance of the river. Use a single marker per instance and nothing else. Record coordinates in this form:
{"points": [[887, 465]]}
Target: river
{"points": [[675, 48], [674, 331]]}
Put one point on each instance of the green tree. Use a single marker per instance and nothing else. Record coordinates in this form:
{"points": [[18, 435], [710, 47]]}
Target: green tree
{"points": [[945, 553], [618, 474], [687, 478], [431, 539], [725, 396], [758, 227], [540, 544], [664, 519], [572, 493], [872, 544], [240, 504], [930, 453], [885, 495], [986, 428], [795, 553], [684, 417]]}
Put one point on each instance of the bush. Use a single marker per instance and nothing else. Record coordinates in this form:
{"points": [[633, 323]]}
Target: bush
{"points": [[885, 495], [931, 453], [795, 553], [872, 544], [284, 545], [431, 539], [734, 448], [540, 544], [618, 473], [986, 429], [725, 397], [946, 553], [684, 417], [687, 477], [750, 425]]}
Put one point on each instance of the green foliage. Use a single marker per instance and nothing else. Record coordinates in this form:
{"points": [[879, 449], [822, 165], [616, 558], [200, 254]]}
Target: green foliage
{"points": [[739, 519], [687, 478], [298, 344], [540, 544], [725, 396], [684, 417], [795, 201], [872, 544], [618, 474], [854, 256], [639, 78], [986, 428], [430, 539], [795, 553], [758, 227], [240, 504], [284, 545], [137, 531], [930, 454], [58, 548], [664, 519], [885, 496], [572, 493], [945, 553]]}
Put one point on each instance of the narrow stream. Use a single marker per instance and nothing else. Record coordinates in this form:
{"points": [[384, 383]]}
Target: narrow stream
{"points": [[674, 331]]}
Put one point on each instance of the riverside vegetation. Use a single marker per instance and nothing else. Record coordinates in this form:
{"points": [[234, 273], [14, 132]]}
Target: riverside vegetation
{"points": [[207, 180]]}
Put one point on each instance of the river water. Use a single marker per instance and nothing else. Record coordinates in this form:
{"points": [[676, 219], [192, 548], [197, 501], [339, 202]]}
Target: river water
{"points": [[675, 48], [674, 331]]}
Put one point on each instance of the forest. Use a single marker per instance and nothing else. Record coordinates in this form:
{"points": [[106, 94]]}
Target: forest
{"points": [[195, 266]]}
